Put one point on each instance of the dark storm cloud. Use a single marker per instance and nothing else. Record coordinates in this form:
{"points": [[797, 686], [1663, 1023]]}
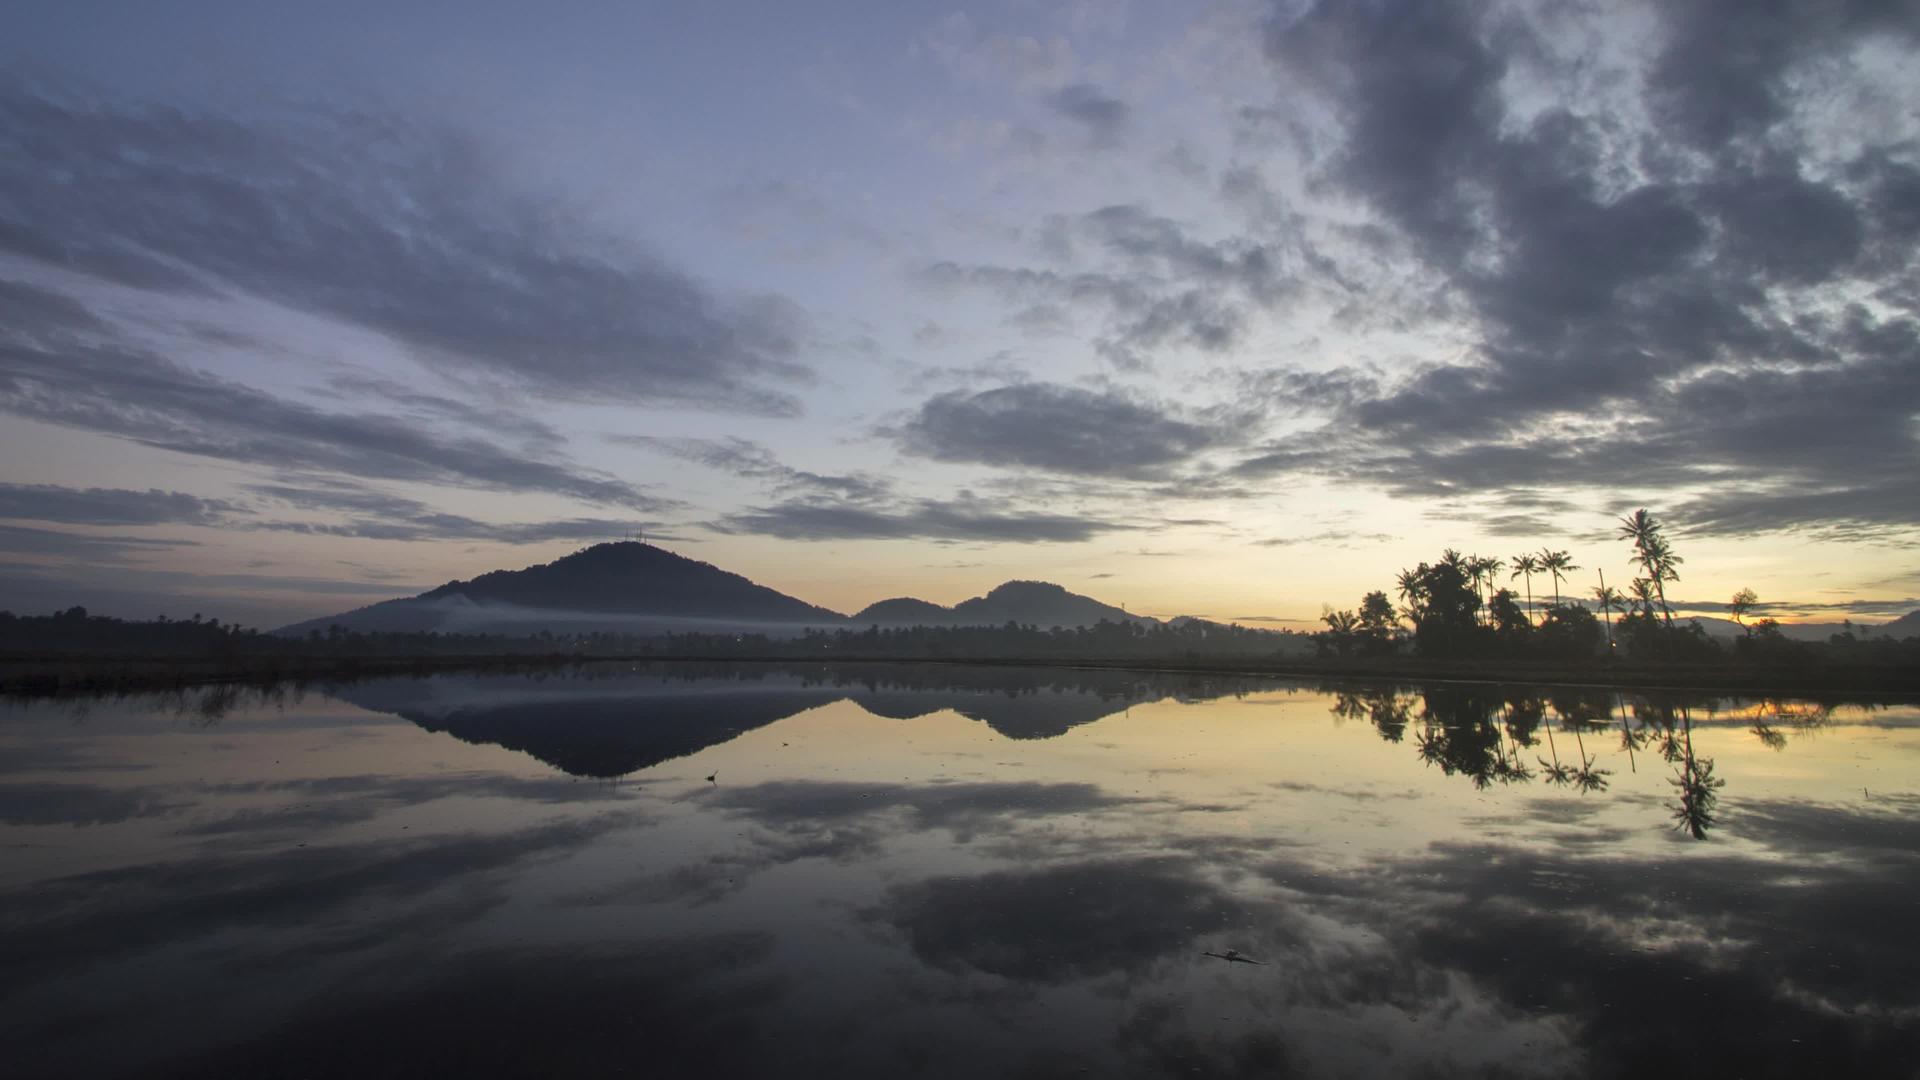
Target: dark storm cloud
{"points": [[158, 403], [407, 232], [1054, 428], [1729, 71], [1102, 116], [1649, 319], [743, 457], [110, 506], [962, 519]]}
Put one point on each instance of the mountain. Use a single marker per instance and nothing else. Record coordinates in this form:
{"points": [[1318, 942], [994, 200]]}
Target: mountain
{"points": [[627, 586], [1904, 627], [1029, 603], [608, 724], [604, 728], [903, 611]]}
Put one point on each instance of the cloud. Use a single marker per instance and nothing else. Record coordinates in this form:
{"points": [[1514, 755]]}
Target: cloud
{"points": [[975, 53], [744, 457], [110, 506], [1096, 918], [161, 404], [379, 515], [1640, 318], [409, 232], [21, 540], [1151, 282], [1054, 428], [1329, 538], [1101, 116], [962, 519]]}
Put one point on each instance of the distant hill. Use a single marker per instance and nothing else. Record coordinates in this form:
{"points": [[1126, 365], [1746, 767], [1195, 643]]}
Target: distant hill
{"points": [[627, 586], [1029, 603], [609, 726], [903, 611], [1905, 626]]}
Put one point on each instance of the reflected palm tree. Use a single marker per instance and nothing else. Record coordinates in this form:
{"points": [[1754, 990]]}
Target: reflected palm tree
{"points": [[1557, 774], [1699, 789], [1631, 739], [1578, 712], [1383, 708], [1460, 734]]}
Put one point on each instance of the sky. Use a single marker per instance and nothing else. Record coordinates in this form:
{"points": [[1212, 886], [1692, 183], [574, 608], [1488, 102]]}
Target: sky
{"points": [[1219, 309]]}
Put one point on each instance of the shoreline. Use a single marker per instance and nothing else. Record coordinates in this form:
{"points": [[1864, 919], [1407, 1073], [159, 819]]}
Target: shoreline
{"points": [[53, 676]]}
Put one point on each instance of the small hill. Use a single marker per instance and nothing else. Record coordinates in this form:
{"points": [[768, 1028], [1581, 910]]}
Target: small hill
{"points": [[1038, 603], [618, 586], [903, 611], [1029, 603]]}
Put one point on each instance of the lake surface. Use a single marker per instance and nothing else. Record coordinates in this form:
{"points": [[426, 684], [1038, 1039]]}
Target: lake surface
{"points": [[894, 870]]}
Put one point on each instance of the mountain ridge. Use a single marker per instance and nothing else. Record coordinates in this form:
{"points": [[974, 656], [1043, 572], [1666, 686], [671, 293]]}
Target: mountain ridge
{"points": [[1029, 603], [634, 587], [618, 585]]}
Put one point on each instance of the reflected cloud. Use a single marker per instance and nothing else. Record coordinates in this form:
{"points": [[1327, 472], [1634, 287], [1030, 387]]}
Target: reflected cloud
{"points": [[1061, 923]]}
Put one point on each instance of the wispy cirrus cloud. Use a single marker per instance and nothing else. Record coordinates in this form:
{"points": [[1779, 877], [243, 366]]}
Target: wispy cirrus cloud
{"points": [[406, 230]]}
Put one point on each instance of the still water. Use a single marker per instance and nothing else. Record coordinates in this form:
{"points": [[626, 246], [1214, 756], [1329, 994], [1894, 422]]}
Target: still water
{"points": [[945, 871]]}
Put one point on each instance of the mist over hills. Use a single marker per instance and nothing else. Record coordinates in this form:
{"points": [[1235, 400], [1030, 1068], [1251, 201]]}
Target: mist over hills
{"points": [[636, 588], [624, 586], [1727, 630], [1029, 603]]}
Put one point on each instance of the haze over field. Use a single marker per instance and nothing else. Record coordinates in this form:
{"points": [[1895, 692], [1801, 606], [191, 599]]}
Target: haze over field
{"points": [[1228, 310]]}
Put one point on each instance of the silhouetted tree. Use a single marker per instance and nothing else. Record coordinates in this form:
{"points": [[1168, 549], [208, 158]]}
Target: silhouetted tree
{"points": [[1525, 565], [1741, 606], [1608, 598], [1656, 558], [1558, 564]]}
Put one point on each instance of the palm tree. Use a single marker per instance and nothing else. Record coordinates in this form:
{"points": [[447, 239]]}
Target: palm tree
{"points": [[1413, 590], [1653, 554], [1526, 565], [1641, 592], [1608, 598], [1559, 564], [1486, 566]]}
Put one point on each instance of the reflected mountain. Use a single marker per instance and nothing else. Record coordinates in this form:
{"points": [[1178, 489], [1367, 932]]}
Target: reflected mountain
{"points": [[610, 723], [602, 731]]}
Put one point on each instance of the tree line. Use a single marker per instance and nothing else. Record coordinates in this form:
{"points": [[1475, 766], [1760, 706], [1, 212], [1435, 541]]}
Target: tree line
{"points": [[1459, 607]]}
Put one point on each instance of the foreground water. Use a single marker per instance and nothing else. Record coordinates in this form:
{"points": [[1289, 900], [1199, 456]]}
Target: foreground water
{"points": [[956, 872]]}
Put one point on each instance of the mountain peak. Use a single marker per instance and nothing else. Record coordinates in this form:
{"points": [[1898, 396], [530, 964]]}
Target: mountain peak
{"points": [[1036, 589], [606, 583]]}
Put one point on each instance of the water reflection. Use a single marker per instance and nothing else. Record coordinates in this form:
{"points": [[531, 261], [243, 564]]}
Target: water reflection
{"points": [[947, 871], [1482, 733]]}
